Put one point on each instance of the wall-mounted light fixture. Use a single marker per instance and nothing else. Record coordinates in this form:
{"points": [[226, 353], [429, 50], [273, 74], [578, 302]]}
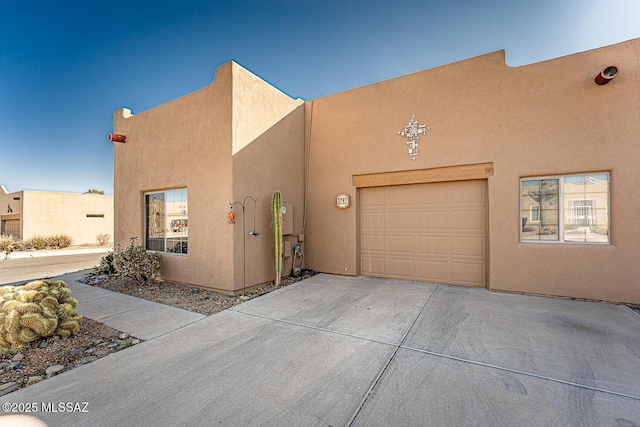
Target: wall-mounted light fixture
{"points": [[114, 137], [606, 75]]}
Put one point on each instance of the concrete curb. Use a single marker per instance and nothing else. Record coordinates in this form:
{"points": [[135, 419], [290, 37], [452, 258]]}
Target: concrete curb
{"points": [[57, 252]]}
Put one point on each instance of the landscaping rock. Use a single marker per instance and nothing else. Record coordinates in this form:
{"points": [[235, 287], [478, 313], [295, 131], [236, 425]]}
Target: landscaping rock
{"points": [[87, 359], [52, 370], [18, 357], [80, 349]]}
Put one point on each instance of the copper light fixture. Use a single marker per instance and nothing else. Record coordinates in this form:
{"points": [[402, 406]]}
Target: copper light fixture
{"points": [[114, 137], [606, 75]]}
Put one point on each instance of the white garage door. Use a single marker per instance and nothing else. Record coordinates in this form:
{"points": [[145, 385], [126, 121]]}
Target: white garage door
{"points": [[434, 232]]}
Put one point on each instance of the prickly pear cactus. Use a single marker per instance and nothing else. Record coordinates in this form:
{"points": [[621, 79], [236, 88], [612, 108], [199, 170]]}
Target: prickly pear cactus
{"points": [[276, 225], [35, 310]]}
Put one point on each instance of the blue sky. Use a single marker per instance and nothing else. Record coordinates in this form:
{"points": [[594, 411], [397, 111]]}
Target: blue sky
{"points": [[67, 65]]}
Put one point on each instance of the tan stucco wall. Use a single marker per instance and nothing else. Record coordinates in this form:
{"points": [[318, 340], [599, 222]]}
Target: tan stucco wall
{"points": [[268, 129], [185, 143], [238, 136], [537, 120], [46, 214], [7, 200]]}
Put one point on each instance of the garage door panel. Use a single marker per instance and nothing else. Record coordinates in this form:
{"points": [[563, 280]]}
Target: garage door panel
{"points": [[468, 220], [465, 192], [432, 271], [473, 247], [432, 246], [432, 220], [431, 195], [373, 221], [373, 197], [467, 273], [402, 268], [373, 266], [402, 245], [432, 232], [402, 196], [373, 243], [400, 221]]}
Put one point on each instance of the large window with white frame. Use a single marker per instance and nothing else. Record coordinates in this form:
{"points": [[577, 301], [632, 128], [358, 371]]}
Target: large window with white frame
{"points": [[167, 221], [565, 208]]}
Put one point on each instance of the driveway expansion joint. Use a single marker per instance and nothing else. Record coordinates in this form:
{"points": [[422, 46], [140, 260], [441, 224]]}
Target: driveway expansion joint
{"points": [[386, 365], [317, 328], [516, 371]]}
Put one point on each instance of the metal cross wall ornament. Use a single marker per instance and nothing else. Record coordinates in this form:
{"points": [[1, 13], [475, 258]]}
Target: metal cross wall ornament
{"points": [[413, 131]]}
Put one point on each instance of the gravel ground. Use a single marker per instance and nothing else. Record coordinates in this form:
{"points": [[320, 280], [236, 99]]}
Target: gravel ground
{"points": [[95, 340], [183, 296], [92, 341]]}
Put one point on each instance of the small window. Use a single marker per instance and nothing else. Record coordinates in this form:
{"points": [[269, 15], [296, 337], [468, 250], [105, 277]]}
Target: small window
{"points": [[534, 215], [571, 208], [166, 221]]}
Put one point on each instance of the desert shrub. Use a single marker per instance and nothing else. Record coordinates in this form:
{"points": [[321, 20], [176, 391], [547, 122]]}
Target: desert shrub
{"points": [[105, 266], [59, 241], [35, 310], [35, 242], [136, 263], [103, 239], [8, 244]]}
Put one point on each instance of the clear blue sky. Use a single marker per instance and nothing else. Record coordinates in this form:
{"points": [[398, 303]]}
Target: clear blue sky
{"points": [[67, 65]]}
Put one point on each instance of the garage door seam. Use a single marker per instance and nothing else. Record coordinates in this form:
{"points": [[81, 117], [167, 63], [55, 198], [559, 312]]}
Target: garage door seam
{"points": [[393, 355]]}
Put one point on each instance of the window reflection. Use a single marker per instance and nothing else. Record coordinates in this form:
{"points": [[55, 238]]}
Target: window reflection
{"points": [[167, 223], [540, 209], [581, 201], [586, 200]]}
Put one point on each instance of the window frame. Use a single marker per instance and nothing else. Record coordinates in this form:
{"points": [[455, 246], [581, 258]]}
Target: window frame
{"points": [[561, 209], [166, 215]]}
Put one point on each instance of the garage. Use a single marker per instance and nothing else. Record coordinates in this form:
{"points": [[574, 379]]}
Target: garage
{"points": [[431, 232], [10, 225]]}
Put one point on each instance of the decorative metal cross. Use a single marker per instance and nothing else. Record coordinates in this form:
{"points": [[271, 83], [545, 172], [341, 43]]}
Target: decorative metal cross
{"points": [[413, 131]]}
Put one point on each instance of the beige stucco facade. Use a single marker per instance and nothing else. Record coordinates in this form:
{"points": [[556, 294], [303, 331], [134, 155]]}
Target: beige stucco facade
{"points": [[37, 213], [487, 122], [235, 138]]}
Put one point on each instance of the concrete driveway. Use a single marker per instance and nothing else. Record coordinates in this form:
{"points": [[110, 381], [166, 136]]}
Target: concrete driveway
{"points": [[336, 351]]}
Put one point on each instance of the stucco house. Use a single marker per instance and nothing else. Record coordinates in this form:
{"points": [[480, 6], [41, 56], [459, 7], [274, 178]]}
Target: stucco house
{"points": [[517, 179], [28, 213]]}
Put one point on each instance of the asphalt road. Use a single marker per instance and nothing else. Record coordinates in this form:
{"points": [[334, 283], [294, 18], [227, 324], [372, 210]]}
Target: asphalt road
{"points": [[20, 270]]}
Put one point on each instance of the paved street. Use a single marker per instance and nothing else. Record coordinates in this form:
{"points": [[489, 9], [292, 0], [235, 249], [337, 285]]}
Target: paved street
{"points": [[24, 269]]}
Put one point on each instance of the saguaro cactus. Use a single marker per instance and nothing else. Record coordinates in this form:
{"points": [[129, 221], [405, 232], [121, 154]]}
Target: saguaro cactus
{"points": [[276, 225]]}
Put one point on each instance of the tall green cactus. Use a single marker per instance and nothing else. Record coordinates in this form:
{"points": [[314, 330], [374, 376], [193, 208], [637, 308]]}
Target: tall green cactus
{"points": [[276, 225]]}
